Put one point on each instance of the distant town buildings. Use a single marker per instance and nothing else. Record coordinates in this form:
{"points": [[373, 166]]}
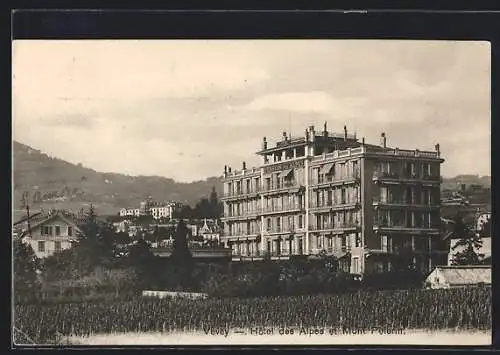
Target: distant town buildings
{"points": [[375, 206], [158, 210]]}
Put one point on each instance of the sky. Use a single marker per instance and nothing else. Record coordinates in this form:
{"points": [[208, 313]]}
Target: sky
{"points": [[185, 108]]}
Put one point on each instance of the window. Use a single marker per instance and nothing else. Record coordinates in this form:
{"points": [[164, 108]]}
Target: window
{"points": [[58, 230], [343, 198], [45, 230], [268, 224], [50, 230], [41, 246], [318, 242], [355, 168], [355, 265], [300, 221], [384, 243], [57, 246], [248, 186]]}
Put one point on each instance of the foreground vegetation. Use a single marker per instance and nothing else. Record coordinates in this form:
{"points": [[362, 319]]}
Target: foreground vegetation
{"points": [[95, 286], [463, 308]]}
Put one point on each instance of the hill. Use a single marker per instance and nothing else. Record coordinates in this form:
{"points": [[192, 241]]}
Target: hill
{"points": [[51, 182], [455, 183]]}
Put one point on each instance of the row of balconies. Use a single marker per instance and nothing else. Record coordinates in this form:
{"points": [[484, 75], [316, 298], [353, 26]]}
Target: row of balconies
{"points": [[277, 187], [386, 225], [331, 179], [402, 201], [404, 176], [329, 204], [291, 208]]}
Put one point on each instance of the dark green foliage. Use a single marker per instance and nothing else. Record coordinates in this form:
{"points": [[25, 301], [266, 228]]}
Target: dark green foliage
{"points": [[485, 231], [25, 266], [468, 241]]}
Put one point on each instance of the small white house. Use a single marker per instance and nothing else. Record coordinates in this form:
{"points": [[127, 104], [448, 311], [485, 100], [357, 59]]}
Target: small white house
{"points": [[51, 233], [459, 276]]}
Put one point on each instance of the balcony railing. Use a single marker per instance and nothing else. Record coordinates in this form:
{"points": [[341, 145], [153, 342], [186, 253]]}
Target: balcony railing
{"points": [[335, 226], [333, 205], [402, 201], [240, 193], [330, 179], [278, 209], [282, 230], [404, 176], [279, 187], [385, 225]]}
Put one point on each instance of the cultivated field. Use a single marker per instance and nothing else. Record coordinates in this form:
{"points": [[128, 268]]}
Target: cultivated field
{"points": [[464, 310]]}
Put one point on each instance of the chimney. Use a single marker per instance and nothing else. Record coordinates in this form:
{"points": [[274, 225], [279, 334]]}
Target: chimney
{"points": [[363, 140], [229, 170], [264, 143], [437, 148], [307, 135], [345, 133], [244, 166], [383, 140], [284, 136]]}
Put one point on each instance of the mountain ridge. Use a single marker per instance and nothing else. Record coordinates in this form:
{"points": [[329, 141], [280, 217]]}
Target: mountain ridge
{"points": [[48, 182]]}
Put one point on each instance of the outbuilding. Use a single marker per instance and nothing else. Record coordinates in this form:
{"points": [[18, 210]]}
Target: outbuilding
{"points": [[459, 276]]}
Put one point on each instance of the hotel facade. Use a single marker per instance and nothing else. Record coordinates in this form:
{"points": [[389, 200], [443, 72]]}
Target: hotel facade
{"points": [[372, 207]]}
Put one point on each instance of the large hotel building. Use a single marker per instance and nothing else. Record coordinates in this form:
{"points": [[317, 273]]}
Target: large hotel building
{"points": [[373, 207]]}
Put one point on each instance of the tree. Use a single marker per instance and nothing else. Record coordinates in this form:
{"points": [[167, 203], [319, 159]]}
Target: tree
{"points": [[144, 263], [215, 205], [486, 229], [180, 252], [203, 209], [468, 244], [96, 241], [181, 257], [26, 265], [185, 212]]}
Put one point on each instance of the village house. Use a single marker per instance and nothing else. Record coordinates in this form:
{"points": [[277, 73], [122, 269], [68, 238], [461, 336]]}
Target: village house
{"points": [[210, 230], [459, 276], [48, 233]]}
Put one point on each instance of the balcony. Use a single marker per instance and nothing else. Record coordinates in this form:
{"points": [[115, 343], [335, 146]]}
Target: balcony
{"points": [[410, 177], [336, 227], [280, 209], [401, 202], [241, 216], [236, 195], [384, 227], [329, 180], [281, 188], [330, 206], [280, 230]]}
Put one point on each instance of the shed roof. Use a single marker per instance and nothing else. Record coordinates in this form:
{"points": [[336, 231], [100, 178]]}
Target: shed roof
{"points": [[463, 275]]}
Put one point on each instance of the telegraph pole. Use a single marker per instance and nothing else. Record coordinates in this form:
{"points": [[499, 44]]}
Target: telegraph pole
{"points": [[28, 219]]}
